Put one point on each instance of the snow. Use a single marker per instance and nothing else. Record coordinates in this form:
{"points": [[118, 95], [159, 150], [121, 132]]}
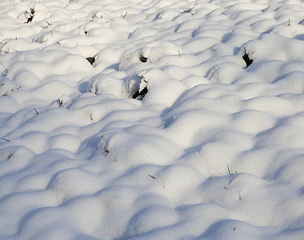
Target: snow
{"points": [[151, 119]]}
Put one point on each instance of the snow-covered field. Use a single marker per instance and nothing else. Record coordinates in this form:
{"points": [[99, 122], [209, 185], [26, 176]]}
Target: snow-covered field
{"points": [[151, 119]]}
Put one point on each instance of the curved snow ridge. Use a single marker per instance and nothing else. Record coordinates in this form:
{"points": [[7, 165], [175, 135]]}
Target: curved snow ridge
{"points": [[151, 119]]}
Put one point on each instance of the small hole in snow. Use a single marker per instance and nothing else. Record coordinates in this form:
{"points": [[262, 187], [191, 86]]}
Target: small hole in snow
{"points": [[91, 60], [143, 59], [31, 12], [247, 60], [30, 19], [141, 94]]}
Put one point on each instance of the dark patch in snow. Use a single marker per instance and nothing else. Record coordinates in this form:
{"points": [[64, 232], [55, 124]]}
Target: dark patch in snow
{"points": [[140, 93], [247, 60], [142, 58], [32, 13], [91, 60]]}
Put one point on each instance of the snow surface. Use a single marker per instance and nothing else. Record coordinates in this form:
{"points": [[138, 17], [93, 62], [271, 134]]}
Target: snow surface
{"points": [[189, 124]]}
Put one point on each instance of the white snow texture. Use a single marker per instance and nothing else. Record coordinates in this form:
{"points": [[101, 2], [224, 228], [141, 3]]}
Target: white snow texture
{"points": [[151, 119]]}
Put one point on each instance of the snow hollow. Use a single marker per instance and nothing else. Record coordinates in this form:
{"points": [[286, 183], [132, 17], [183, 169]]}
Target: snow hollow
{"points": [[151, 119]]}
